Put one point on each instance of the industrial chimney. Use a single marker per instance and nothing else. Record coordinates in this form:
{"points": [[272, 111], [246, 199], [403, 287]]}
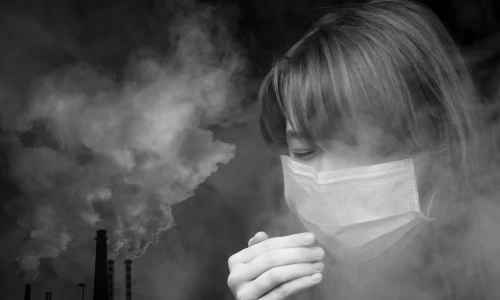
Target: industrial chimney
{"points": [[128, 279], [27, 292], [100, 271], [111, 279]]}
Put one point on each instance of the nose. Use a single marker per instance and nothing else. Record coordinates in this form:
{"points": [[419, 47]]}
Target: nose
{"points": [[325, 163], [341, 158]]}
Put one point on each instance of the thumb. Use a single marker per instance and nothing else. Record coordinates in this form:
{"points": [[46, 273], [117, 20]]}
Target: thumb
{"points": [[259, 237]]}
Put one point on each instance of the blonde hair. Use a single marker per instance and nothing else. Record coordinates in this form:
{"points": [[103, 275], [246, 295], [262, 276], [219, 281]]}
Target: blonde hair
{"points": [[387, 64]]}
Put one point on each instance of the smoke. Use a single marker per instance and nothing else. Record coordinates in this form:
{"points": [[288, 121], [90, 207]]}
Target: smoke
{"points": [[128, 54], [95, 149]]}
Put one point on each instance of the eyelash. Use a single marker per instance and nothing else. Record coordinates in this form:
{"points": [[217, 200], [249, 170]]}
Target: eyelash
{"points": [[303, 155]]}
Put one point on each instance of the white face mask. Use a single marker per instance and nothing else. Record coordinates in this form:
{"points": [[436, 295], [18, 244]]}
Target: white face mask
{"points": [[358, 213]]}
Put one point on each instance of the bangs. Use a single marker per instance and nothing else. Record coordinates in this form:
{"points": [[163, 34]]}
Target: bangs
{"points": [[329, 90]]}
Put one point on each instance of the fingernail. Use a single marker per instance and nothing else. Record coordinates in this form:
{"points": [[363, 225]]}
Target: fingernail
{"points": [[259, 233], [318, 252], [316, 277], [318, 266], [308, 237]]}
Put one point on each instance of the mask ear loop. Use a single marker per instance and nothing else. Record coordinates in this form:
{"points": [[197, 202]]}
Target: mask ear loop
{"points": [[428, 212]]}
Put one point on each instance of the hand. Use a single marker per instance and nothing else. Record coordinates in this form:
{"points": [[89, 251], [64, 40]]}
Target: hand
{"points": [[275, 268]]}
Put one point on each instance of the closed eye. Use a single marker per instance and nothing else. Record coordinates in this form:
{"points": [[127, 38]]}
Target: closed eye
{"points": [[304, 155]]}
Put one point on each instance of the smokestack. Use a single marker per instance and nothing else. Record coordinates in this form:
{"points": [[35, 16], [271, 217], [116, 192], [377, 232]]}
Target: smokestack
{"points": [[128, 279], [82, 285], [27, 292], [100, 272], [48, 295], [111, 279]]}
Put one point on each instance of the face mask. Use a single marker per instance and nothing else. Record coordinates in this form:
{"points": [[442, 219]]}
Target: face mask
{"points": [[358, 213]]}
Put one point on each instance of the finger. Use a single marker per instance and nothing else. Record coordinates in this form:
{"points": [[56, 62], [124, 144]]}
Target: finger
{"points": [[280, 257], [292, 287], [281, 275], [259, 237], [291, 241]]}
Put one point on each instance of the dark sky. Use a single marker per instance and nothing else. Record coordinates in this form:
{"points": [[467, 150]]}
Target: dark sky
{"points": [[40, 38]]}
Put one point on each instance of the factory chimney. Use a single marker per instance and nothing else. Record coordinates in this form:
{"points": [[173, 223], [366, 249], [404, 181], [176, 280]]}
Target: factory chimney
{"points": [[48, 295], [111, 279], [27, 292], [128, 279], [100, 271]]}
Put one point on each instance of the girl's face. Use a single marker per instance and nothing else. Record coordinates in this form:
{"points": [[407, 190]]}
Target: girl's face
{"points": [[336, 154]]}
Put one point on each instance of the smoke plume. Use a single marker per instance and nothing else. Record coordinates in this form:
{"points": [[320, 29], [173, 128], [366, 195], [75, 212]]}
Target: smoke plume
{"points": [[95, 149]]}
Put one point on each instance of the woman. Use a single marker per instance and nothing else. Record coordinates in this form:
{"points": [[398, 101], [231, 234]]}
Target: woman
{"points": [[375, 108]]}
